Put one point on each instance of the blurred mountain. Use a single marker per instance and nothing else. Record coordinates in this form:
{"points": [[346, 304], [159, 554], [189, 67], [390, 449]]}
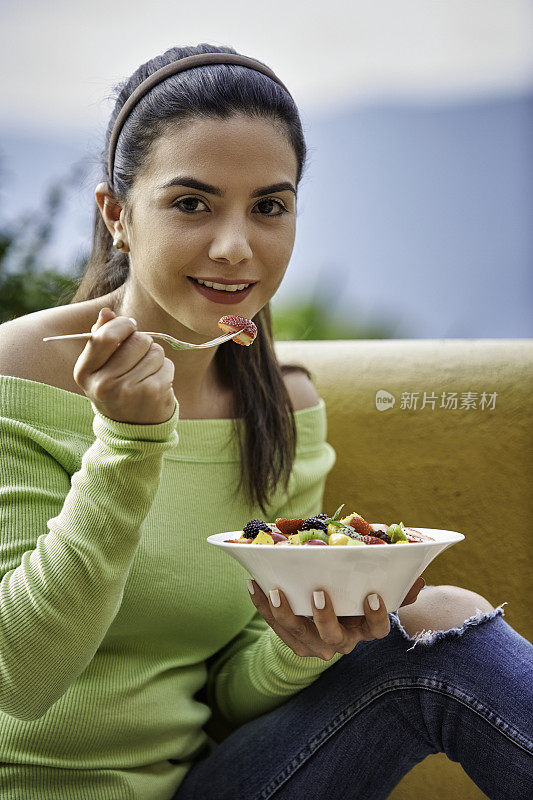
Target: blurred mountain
{"points": [[414, 213]]}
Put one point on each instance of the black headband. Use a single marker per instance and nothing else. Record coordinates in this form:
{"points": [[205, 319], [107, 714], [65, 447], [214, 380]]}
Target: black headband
{"points": [[171, 69]]}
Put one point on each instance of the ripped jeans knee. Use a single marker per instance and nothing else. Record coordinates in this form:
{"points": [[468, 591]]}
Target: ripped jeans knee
{"points": [[428, 637]]}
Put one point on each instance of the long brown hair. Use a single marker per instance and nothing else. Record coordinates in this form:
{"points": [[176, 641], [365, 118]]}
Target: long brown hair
{"points": [[217, 91]]}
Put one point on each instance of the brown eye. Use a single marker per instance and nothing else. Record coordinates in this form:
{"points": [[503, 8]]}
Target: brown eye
{"points": [[275, 202], [188, 210]]}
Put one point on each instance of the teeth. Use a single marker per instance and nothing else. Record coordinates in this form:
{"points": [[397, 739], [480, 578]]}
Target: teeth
{"points": [[223, 287]]}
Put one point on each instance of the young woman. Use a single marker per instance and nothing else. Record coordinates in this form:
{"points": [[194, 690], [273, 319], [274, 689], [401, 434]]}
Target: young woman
{"points": [[122, 631]]}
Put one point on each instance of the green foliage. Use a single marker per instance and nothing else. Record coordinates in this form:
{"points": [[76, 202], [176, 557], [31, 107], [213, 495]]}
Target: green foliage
{"points": [[322, 314], [27, 291], [25, 286], [313, 319]]}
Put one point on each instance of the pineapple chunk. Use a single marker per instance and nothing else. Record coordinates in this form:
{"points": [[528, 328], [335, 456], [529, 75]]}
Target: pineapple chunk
{"points": [[263, 538], [338, 538]]}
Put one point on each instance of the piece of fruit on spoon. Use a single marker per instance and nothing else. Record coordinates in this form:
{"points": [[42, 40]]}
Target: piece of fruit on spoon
{"points": [[232, 322]]}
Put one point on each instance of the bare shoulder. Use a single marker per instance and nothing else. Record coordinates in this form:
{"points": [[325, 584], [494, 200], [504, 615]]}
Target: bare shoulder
{"points": [[23, 354], [301, 389]]}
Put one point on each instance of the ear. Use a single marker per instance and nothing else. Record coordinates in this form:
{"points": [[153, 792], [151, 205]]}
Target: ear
{"points": [[110, 208]]}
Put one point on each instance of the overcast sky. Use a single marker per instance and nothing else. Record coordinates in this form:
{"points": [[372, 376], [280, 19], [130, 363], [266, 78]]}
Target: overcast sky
{"points": [[63, 58]]}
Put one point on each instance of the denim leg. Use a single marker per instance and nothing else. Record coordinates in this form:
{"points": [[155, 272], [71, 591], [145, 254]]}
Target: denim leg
{"points": [[380, 710]]}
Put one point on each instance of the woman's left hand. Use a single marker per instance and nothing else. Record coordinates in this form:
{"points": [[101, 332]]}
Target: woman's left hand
{"points": [[326, 634]]}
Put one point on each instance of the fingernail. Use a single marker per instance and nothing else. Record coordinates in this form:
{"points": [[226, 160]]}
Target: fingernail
{"points": [[320, 600], [274, 597], [133, 320], [250, 587], [373, 602]]}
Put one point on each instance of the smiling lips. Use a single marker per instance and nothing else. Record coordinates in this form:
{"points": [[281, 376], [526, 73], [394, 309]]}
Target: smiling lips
{"points": [[224, 281], [222, 295]]}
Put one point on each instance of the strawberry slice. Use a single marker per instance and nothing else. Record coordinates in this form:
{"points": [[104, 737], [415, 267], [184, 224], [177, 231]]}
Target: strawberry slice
{"points": [[232, 322], [372, 540], [359, 524], [289, 526]]}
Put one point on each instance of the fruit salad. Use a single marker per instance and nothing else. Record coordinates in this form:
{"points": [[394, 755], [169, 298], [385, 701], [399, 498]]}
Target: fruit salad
{"points": [[322, 530], [247, 329]]}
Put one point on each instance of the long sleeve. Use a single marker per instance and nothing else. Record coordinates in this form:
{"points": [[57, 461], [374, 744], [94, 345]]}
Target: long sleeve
{"points": [[256, 672], [66, 547]]}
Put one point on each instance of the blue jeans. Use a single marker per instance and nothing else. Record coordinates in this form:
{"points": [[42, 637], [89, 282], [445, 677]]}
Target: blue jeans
{"points": [[380, 710]]}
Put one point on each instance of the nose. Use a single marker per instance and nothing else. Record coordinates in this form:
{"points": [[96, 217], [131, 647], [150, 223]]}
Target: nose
{"points": [[231, 244]]}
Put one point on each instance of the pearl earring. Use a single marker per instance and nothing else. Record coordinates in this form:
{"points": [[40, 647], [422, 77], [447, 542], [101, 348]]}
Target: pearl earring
{"points": [[118, 242]]}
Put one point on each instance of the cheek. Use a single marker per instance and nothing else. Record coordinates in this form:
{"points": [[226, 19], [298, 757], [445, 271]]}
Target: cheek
{"points": [[173, 245], [160, 235], [277, 247]]}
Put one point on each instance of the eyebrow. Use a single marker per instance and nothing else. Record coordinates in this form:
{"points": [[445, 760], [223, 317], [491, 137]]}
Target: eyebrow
{"points": [[192, 183]]}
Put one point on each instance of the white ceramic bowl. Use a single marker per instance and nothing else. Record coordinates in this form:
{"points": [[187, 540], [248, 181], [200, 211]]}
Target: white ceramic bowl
{"points": [[346, 573]]}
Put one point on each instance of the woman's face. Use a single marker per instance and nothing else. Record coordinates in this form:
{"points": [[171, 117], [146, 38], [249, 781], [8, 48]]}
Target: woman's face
{"points": [[238, 230]]}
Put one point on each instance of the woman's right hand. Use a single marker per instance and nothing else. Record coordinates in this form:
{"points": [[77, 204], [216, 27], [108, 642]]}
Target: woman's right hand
{"points": [[125, 373]]}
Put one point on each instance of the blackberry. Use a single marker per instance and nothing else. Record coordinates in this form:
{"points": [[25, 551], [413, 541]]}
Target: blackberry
{"points": [[382, 535], [321, 516], [252, 528], [315, 522]]}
